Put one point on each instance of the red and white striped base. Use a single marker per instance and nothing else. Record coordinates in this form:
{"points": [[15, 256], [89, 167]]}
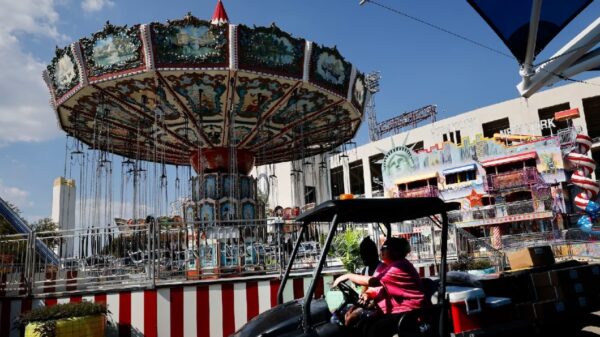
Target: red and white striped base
{"points": [[199, 310]]}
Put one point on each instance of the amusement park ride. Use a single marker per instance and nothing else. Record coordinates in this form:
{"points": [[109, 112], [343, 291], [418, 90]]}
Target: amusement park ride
{"points": [[221, 98], [215, 96]]}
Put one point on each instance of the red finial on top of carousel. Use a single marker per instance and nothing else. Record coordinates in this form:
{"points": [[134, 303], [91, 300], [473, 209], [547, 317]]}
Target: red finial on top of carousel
{"points": [[219, 16]]}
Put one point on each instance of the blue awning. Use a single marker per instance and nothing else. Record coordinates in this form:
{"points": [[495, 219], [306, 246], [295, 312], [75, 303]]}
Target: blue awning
{"points": [[460, 169], [510, 20]]}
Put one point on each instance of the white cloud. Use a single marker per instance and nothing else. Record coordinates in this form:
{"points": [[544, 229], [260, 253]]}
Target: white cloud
{"points": [[95, 5], [15, 196], [29, 16], [25, 112]]}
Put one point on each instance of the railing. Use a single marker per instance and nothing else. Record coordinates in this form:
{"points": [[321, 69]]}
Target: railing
{"points": [[500, 212], [566, 244], [146, 255], [513, 179], [421, 192], [424, 236], [567, 138]]}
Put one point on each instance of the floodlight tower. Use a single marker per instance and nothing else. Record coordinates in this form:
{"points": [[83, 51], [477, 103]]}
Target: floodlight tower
{"points": [[372, 84]]}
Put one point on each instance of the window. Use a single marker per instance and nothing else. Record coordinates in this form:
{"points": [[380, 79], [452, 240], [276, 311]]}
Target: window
{"points": [[337, 181], [460, 177], [591, 110], [375, 162], [357, 180], [490, 128], [548, 125], [510, 167], [413, 185], [454, 137], [309, 195]]}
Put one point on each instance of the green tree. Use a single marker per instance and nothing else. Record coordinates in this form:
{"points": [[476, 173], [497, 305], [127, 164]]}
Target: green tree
{"points": [[46, 230], [11, 250], [5, 227]]}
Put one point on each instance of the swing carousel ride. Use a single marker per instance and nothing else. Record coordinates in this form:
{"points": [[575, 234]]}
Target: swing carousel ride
{"points": [[215, 96]]}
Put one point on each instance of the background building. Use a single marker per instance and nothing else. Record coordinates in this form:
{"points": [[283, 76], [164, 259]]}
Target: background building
{"points": [[63, 209], [509, 184]]}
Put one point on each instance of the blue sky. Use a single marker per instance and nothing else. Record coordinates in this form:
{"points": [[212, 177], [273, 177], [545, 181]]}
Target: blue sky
{"points": [[419, 65]]}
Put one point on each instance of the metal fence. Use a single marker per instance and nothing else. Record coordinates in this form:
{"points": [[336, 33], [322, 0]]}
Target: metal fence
{"points": [[499, 211], [147, 254], [144, 255], [566, 244]]}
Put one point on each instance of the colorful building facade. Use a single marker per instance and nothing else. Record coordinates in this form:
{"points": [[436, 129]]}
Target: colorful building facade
{"points": [[502, 166]]}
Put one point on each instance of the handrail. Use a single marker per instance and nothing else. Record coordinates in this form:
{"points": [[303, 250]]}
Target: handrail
{"points": [[498, 210]]}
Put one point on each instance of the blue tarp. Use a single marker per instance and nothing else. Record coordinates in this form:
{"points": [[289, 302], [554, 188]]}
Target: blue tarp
{"points": [[510, 20]]}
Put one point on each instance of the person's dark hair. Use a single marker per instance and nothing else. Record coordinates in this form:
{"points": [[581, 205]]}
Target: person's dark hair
{"points": [[398, 247], [368, 251]]}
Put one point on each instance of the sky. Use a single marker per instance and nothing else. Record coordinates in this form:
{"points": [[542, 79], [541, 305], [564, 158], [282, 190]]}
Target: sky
{"points": [[419, 65]]}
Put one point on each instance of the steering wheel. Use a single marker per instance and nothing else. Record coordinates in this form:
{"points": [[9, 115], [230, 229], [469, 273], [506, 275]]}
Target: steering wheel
{"points": [[350, 295]]}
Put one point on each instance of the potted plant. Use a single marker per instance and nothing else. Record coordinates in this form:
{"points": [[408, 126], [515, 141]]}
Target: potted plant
{"points": [[347, 247], [84, 319]]}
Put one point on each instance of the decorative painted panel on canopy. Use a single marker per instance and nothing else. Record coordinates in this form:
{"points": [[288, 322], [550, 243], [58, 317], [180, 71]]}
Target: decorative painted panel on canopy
{"points": [[510, 20], [113, 51], [329, 70], [269, 49], [189, 84], [360, 92], [62, 71], [190, 43]]}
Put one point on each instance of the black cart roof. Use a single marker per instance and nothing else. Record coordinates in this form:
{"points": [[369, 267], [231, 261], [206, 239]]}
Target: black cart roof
{"points": [[374, 210]]}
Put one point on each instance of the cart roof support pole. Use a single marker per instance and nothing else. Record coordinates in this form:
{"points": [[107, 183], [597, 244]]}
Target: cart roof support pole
{"points": [[290, 263], [306, 319]]}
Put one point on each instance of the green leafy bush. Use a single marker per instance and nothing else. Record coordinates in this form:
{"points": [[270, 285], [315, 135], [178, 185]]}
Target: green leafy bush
{"points": [[346, 246], [48, 316], [466, 262]]}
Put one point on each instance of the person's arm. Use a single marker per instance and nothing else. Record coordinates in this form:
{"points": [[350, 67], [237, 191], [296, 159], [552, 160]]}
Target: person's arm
{"points": [[361, 280]]}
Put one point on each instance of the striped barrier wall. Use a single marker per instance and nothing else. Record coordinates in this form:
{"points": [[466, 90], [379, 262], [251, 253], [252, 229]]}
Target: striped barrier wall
{"points": [[184, 310]]}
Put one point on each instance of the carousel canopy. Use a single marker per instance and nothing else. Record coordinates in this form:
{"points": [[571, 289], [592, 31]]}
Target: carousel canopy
{"points": [[166, 90]]}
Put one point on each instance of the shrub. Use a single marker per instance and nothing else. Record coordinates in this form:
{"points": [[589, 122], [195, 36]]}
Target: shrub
{"points": [[46, 317], [466, 262], [346, 246]]}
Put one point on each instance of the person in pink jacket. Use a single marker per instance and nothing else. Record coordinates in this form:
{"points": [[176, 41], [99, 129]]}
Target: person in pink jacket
{"points": [[398, 288]]}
